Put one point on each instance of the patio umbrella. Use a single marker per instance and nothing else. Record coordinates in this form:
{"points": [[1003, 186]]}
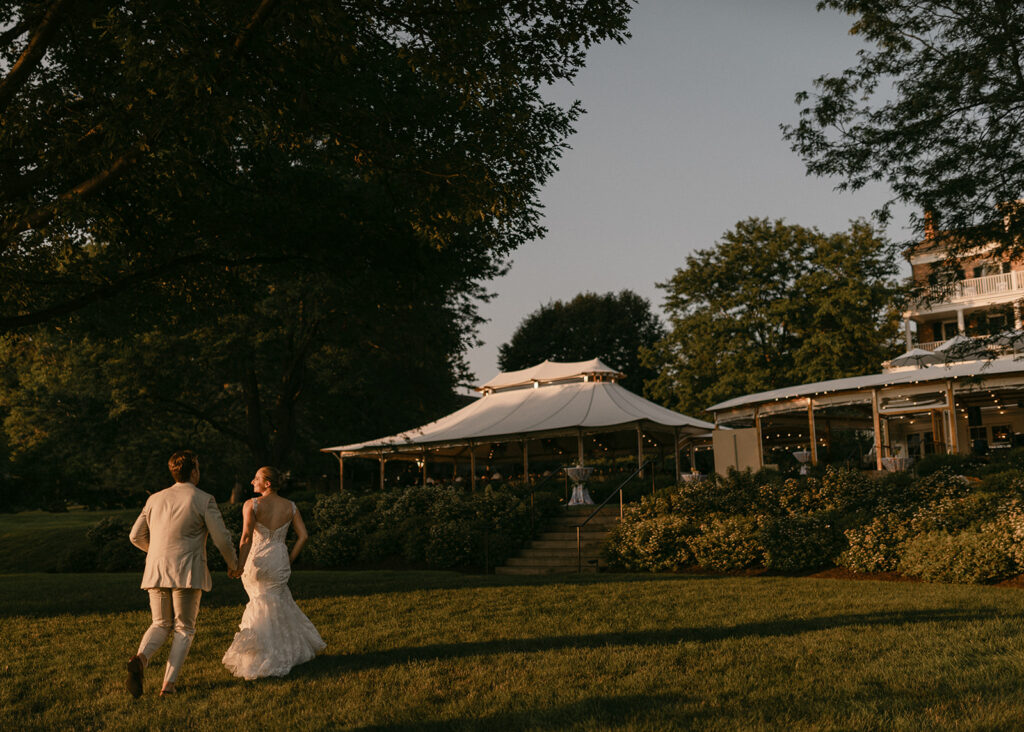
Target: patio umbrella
{"points": [[916, 357], [1011, 338], [961, 348]]}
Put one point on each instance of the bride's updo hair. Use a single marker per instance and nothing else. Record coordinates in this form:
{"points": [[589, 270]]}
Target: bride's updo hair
{"points": [[274, 476]]}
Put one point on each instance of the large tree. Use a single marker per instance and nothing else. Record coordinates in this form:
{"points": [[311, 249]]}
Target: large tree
{"points": [[612, 327], [268, 222], [932, 108], [138, 138], [771, 305]]}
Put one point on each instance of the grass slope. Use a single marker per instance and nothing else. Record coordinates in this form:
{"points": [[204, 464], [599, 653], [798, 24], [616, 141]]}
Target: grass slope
{"points": [[34, 541], [443, 651]]}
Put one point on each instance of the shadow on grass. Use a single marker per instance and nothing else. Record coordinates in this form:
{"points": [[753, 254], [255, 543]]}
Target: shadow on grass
{"points": [[610, 710], [47, 595], [332, 665]]}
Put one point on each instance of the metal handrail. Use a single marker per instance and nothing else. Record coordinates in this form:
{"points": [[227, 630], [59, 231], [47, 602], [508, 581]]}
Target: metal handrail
{"points": [[533, 489], [579, 527]]}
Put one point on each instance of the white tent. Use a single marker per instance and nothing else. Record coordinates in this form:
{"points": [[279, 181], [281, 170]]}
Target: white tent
{"points": [[546, 401]]}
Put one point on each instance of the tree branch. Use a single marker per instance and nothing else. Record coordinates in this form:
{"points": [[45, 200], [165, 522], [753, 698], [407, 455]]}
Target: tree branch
{"points": [[33, 53], [254, 22], [111, 289]]}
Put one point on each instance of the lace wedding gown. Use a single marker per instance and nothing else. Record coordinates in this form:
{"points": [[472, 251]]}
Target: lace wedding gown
{"points": [[274, 634]]}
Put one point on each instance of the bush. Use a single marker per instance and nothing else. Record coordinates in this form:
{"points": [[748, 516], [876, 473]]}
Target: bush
{"points": [[800, 542], [441, 525], [970, 556], [650, 544], [727, 543], [875, 547]]}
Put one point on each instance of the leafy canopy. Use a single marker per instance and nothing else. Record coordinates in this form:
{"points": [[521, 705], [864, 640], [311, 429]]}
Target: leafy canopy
{"points": [[612, 327], [771, 305], [139, 140], [932, 108]]}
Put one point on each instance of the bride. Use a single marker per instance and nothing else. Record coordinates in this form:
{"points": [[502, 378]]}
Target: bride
{"points": [[274, 634]]}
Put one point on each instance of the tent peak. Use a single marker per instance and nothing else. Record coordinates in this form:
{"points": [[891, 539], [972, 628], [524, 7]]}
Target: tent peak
{"points": [[549, 372]]}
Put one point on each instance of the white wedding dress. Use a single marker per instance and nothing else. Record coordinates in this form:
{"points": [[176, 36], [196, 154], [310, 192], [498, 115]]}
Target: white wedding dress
{"points": [[274, 634]]}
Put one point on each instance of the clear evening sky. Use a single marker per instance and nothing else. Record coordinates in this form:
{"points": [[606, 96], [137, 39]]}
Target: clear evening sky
{"points": [[680, 141]]}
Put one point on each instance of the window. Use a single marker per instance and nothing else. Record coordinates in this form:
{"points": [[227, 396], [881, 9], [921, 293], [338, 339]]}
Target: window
{"points": [[991, 268], [997, 323]]}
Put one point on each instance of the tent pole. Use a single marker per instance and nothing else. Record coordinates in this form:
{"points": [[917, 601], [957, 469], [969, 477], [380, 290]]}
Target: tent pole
{"points": [[341, 471], [675, 452], [579, 447], [640, 448], [424, 467], [383, 462], [472, 467], [526, 463]]}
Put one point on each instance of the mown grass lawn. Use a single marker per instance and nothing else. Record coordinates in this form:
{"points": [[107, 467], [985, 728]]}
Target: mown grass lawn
{"points": [[34, 541], [440, 651]]}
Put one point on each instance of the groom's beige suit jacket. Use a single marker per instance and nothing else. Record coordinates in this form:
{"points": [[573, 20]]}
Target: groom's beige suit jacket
{"points": [[172, 530]]}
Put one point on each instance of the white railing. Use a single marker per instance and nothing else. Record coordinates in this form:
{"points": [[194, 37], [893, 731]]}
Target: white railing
{"points": [[989, 285], [929, 346]]}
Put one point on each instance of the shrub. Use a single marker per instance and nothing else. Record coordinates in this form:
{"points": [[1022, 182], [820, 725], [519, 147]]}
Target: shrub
{"points": [[650, 544], [875, 547], [334, 546], [970, 556], [727, 543], [799, 542]]}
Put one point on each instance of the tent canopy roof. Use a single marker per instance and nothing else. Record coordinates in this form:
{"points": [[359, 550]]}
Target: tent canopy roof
{"points": [[550, 371], [954, 371], [554, 405]]}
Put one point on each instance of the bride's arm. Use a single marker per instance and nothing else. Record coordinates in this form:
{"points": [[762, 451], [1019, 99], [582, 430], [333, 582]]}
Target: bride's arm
{"points": [[301, 533], [245, 543]]}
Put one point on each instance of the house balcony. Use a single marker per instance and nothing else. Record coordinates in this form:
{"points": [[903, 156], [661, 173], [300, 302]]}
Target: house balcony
{"points": [[982, 290]]}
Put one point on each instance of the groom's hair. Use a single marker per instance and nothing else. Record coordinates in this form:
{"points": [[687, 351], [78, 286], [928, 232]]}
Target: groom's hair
{"points": [[182, 463]]}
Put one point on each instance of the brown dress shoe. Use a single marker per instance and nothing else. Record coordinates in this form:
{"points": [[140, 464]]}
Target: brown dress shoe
{"points": [[134, 681]]}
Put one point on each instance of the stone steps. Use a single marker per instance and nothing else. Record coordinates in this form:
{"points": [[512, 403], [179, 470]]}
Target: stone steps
{"points": [[554, 550]]}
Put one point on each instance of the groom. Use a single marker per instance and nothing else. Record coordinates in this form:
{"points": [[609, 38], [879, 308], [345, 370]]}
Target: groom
{"points": [[172, 530]]}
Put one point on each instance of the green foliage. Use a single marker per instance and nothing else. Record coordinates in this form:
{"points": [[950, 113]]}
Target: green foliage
{"points": [[109, 550], [728, 543], [439, 526], [972, 555], [157, 297], [800, 542], [646, 542], [612, 327], [929, 109], [773, 305], [875, 546]]}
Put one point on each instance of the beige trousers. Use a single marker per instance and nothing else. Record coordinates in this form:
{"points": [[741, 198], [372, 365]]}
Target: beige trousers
{"points": [[173, 610]]}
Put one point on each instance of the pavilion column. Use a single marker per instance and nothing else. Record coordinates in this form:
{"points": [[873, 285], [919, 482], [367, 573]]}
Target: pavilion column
{"points": [[1018, 324], [341, 471], [954, 437], [877, 423], [383, 463], [906, 331], [812, 432], [937, 429], [760, 438], [961, 327], [424, 467]]}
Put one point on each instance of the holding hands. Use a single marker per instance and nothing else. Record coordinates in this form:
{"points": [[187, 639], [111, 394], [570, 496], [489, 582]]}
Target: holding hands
{"points": [[235, 573]]}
